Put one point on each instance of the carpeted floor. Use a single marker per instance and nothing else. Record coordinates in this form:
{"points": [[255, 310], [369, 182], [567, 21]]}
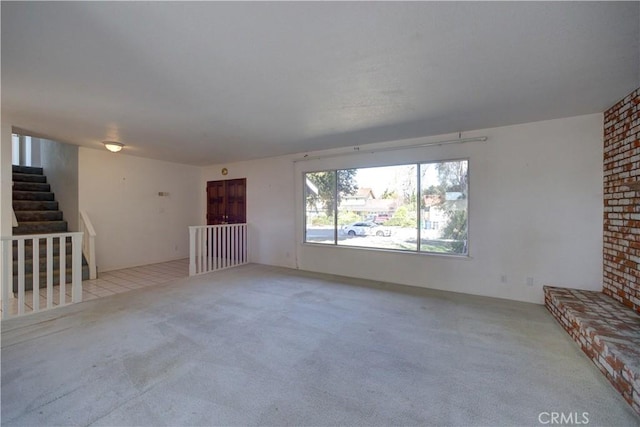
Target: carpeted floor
{"points": [[260, 345]]}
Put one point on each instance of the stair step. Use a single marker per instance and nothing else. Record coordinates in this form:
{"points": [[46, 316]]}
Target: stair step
{"points": [[42, 250], [32, 195], [37, 213], [46, 215], [27, 177], [35, 205], [28, 279], [27, 169], [28, 264], [40, 227], [31, 186]]}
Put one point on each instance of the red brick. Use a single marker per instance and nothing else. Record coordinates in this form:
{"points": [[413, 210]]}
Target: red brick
{"points": [[621, 167], [604, 330]]}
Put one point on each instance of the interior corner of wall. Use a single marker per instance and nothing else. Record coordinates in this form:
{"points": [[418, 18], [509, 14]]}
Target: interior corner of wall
{"points": [[6, 211]]}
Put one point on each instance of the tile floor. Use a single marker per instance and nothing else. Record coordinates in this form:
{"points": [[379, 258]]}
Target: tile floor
{"points": [[110, 283]]}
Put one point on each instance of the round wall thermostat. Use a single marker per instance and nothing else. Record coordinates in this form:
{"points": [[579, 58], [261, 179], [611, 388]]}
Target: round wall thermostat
{"points": [[225, 171]]}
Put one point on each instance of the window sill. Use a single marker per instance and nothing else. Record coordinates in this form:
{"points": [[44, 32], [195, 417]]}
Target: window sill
{"points": [[394, 251]]}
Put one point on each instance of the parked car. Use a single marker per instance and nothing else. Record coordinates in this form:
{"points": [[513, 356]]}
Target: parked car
{"points": [[365, 228]]}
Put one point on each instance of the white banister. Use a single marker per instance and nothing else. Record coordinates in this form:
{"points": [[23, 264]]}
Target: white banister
{"points": [[216, 247], [12, 263], [20, 277], [49, 273], [62, 284], [7, 274], [192, 251], [35, 255], [89, 243], [76, 269]]}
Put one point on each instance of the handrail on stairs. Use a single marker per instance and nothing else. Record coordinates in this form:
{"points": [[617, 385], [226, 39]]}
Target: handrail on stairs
{"points": [[89, 243], [14, 220]]}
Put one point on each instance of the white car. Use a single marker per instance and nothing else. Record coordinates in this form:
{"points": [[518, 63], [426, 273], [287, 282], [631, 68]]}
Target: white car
{"points": [[365, 228]]}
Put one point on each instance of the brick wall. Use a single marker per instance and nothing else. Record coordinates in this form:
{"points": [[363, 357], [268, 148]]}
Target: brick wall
{"points": [[622, 201]]}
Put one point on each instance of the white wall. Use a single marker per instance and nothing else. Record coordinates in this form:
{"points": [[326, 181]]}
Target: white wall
{"points": [[270, 207], [134, 225], [60, 164], [535, 211], [32, 151], [6, 179]]}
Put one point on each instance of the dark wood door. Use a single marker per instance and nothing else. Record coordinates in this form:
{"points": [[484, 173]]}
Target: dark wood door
{"points": [[216, 203], [236, 205], [227, 201]]}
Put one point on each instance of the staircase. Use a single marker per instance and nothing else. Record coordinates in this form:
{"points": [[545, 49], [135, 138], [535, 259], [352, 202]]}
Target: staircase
{"points": [[37, 213]]}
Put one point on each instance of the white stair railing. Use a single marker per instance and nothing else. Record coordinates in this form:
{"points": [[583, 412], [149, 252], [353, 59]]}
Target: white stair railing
{"points": [[89, 244], [30, 245], [216, 247]]}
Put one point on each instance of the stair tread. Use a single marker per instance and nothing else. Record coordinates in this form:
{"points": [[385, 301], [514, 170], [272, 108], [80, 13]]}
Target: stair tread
{"points": [[40, 215], [31, 186], [43, 242], [40, 227], [42, 265], [42, 250], [44, 273], [35, 205], [43, 257], [28, 177], [42, 284], [68, 270], [21, 195], [34, 170], [45, 222], [39, 210]]}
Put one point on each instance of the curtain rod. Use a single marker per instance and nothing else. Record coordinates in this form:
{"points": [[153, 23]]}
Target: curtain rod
{"points": [[356, 150]]}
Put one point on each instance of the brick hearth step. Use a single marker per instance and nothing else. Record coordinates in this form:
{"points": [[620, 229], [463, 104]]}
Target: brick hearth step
{"points": [[607, 331]]}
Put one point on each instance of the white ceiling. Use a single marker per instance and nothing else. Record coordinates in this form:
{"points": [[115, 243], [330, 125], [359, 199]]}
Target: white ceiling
{"points": [[207, 82]]}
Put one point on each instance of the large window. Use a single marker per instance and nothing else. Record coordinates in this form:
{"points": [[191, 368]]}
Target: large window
{"points": [[416, 207]]}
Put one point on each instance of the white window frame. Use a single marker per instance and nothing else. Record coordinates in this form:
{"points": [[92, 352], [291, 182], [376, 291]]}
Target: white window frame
{"points": [[419, 223]]}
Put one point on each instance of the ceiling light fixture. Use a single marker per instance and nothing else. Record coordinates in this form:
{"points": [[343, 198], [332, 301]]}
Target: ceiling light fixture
{"points": [[113, 146]]}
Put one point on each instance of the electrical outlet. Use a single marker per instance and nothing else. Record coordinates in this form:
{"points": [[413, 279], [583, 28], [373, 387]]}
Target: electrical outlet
{"points": [[529, 281]]}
